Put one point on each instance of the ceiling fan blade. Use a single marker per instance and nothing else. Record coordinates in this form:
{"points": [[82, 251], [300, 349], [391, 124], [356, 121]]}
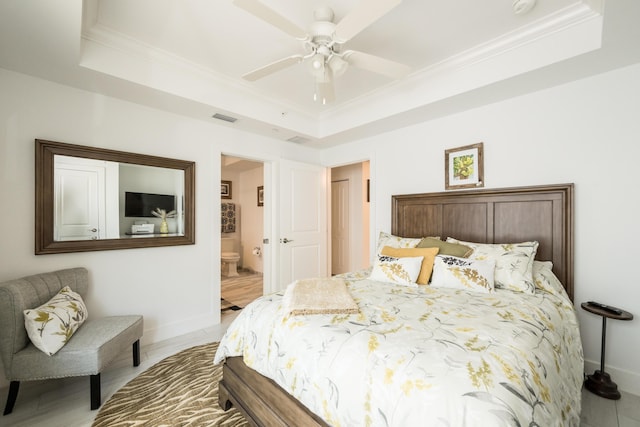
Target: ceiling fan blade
{"points": [[270, 16], [392, 69], [272, 68], [364, 14]]}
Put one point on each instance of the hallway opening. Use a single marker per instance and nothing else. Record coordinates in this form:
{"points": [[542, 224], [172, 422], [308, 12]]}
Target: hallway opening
{"points": [[242, 222], [350, 198]]}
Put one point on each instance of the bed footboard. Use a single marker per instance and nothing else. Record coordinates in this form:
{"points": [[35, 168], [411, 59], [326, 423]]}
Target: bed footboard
{"points": [[259, 399]]}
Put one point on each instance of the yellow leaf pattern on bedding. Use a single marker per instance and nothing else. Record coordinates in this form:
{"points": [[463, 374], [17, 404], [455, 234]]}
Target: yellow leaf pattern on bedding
{"points": [[373, 343], [290, 363], [388, 376], [471, 344], [544, 391], [508, 371], [410, 385], [388, 317], [481, 376]]}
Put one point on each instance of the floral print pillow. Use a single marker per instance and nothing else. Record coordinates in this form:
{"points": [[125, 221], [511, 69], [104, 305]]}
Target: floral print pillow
{"points": [[386, 239], [463, 273], [514, 263], [401, 271], [51, 325]]}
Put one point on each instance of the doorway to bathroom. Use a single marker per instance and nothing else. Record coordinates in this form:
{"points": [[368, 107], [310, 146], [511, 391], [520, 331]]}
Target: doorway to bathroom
{"points": [[350, 199], [242, 231]]}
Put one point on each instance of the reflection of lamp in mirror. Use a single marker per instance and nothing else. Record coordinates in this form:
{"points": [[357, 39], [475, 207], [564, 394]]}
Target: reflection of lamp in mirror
{"points": [[163, 215]]}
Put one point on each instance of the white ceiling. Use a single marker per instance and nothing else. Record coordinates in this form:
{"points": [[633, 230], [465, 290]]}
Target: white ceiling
{"points": [[188, 56]]}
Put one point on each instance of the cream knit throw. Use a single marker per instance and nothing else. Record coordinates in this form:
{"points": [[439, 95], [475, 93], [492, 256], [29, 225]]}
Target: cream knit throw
{"points": [[319, 296]]}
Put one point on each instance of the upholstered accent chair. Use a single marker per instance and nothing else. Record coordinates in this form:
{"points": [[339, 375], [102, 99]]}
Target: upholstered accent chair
{"points": [[95, 344]]}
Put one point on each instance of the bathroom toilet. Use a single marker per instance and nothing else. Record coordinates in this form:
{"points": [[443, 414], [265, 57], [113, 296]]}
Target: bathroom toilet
{"points": [[229, 257]]}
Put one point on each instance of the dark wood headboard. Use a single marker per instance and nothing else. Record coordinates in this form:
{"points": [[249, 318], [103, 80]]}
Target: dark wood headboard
{"points": [[541, 213]]}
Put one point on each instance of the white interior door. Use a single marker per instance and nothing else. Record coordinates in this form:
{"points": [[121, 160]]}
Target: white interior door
{"points": [[303, 222], [340, 248], [79, 192]]}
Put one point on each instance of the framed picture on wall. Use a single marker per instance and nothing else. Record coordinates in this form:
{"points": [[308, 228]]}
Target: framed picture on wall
{"points": [[225, 189], [464, 167], [261, 195]]}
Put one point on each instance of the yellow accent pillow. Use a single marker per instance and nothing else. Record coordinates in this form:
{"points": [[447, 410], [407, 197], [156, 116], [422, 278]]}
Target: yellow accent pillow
{"points": [[429, 255], [446, 248]]}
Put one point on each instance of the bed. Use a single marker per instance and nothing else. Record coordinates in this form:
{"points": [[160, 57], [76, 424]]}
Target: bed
{"points": [[425, 355]]}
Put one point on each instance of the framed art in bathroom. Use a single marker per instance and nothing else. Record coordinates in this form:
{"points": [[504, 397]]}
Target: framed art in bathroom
{"points": [[225, 189]]}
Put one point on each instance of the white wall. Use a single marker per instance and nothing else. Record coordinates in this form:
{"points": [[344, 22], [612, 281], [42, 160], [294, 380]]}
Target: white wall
{"points": [[252, 218], [586, 132], [177, 289]]}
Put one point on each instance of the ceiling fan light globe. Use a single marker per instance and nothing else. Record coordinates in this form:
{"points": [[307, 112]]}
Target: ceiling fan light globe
{"points": [[316, 65], [338, 65]]}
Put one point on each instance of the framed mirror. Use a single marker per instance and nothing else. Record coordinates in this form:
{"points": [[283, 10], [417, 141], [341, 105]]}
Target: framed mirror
{"points": [[94, 199]]}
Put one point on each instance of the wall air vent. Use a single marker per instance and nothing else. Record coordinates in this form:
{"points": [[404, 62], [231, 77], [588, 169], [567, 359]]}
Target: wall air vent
{"points": [[298, 139], [224, 118]]}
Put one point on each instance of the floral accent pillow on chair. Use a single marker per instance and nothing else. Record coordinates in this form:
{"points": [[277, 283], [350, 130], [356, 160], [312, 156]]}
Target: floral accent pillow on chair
{"points": [[51, 325]]}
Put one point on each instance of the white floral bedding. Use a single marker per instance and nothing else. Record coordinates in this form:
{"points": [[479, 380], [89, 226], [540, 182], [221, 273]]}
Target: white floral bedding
{"points": [[422, 356]]}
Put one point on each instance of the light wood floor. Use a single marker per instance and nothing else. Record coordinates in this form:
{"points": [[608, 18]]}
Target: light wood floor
{"points": [[65, 403], [241, 290]]}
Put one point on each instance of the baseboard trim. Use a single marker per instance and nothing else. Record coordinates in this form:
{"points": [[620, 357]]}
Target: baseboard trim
{"points": [[172, 330], [627, 381]]}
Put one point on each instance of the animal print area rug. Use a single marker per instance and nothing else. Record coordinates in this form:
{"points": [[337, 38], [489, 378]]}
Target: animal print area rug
{"points": [[181, 390]]}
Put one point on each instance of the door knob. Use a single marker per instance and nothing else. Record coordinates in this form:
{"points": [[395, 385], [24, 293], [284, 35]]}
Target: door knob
{"points": [[93, 230], [285, 240]]}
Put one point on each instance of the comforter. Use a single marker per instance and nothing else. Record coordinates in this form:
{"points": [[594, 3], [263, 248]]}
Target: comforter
{"points": [[421, 356]]}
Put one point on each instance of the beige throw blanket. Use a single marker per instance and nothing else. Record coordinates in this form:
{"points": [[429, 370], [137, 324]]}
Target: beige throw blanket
{"points": [[319, 296]]}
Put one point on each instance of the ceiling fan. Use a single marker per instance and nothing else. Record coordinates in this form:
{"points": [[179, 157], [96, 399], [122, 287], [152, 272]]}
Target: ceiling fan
{"points": [[323, 44]]}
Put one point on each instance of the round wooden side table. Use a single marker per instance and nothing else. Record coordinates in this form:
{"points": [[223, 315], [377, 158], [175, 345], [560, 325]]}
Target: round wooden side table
{"points": [[600, 382]]}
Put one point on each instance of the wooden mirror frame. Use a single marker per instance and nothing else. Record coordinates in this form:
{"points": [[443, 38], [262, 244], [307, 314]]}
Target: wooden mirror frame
{"points": [[44, 189]]}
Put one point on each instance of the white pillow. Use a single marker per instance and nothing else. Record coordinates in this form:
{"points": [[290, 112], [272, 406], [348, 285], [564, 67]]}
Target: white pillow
{"points": [[463, 273], [401, 271], [545, 280], [386, 239], [514, 262], [51, 325]]}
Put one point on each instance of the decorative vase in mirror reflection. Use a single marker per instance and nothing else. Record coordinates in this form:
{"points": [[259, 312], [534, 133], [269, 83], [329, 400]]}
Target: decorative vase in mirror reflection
{"points": [[163, 215]]}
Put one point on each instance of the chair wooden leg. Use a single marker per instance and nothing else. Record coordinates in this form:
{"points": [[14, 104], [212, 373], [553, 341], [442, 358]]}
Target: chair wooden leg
{"points": [[136, 353], [11, 397], [95, 391]]}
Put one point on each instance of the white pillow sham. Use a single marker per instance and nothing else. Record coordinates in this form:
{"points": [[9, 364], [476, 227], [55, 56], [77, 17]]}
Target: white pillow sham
{"points": [[463, 273], [386, 239], [401, 271], [514, 262]]}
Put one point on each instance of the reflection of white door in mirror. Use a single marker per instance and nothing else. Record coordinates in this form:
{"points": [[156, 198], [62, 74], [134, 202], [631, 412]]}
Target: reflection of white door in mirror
{"points": [[82, 187]]}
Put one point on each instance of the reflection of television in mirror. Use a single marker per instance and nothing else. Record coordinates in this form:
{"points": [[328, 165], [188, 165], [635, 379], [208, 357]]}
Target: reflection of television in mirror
{"points": [[141, 204]]}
